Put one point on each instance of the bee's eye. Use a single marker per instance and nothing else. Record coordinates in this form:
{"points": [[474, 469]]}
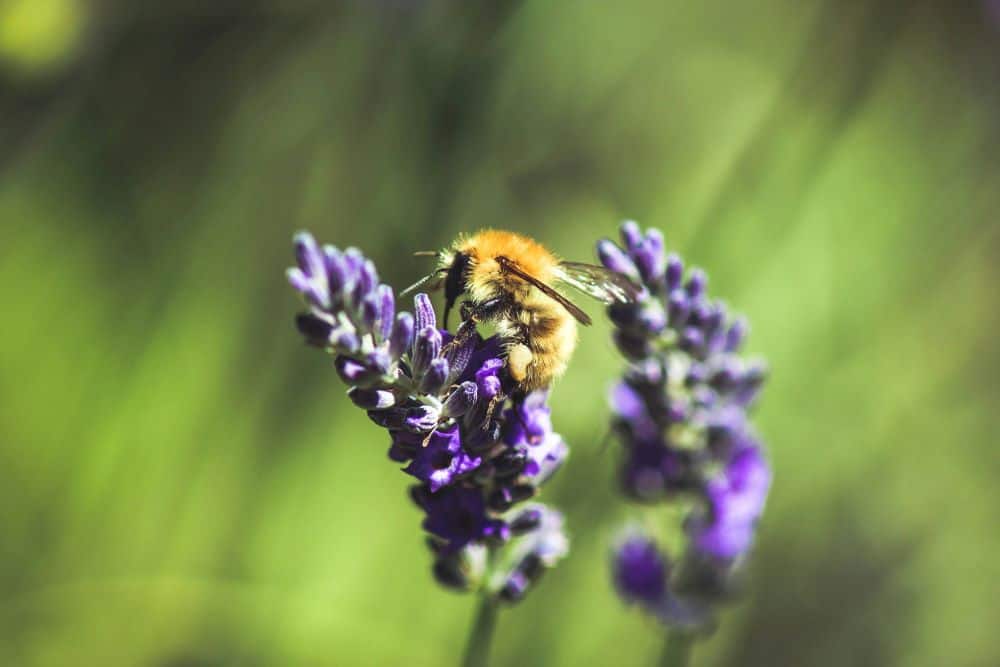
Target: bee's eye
{"points": [[455, 282]]}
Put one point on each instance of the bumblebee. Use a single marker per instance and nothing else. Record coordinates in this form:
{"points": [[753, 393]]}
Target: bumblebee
{"points": [[508, 280]]}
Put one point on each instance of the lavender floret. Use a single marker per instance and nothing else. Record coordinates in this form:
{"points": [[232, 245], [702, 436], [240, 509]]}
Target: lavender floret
{"points": [[680, 411]]}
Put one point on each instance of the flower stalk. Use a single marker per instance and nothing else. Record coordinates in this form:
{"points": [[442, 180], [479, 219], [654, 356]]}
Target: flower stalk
{"points": [[476, 453], [681, 413]]}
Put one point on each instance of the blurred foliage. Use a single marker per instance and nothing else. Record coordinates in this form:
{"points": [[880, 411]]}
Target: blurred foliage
{"points": [[186, 485]]}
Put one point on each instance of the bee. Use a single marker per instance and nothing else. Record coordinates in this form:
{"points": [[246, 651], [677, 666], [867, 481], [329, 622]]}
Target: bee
{"points": [[508, 280]]}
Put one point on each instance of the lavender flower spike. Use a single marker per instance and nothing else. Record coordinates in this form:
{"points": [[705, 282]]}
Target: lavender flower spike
{"points": [[680, 411], [476, 454]]}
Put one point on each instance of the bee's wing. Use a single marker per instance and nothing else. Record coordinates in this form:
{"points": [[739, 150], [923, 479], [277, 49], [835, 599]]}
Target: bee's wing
{"points": [[509, 265], [598, 282]]}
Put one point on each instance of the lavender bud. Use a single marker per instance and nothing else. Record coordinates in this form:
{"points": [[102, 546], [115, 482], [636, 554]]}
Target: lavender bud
{"points": [[701, 310], [367, 279], [639, 570], [393, 419], [424, 310], [460, 400], [652, 317], [727, 376], [298, 280], [426, 347], [316, 331], [386, 312], [678, 307], [631, 235], [696, 284], [448, 573], [515, 588], [633, 347], [337, 270], [649, 257], [736, 334], [510, 464], [696, 374], [356, 374], [371, 399], [488, 379], [308, 256], [435, 377], [615, 259], [402, 335], [674, 272], [460, 355], [691, 339], [353, 260], [369, 311], [503, 498], [625, 315], [421, 419], [526, 521], [345, 340], [481, 437], [753, 379]]}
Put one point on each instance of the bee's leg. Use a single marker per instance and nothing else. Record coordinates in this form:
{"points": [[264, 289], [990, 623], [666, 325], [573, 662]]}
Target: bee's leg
{"points": [[480, 311], [491, 408]]}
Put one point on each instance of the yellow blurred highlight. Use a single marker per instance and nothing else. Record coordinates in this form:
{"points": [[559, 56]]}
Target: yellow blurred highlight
{"points": [[38, 36]]}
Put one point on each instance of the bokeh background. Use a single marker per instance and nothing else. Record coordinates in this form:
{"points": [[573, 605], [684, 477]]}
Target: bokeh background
{"points": [[184, 483]]}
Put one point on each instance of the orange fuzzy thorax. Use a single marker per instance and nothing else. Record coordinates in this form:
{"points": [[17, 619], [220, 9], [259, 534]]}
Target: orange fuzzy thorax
{"points": [[484, 247]]}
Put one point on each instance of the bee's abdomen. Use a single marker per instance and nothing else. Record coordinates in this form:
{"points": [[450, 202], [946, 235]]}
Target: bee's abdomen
{"points": [[541, 348]]}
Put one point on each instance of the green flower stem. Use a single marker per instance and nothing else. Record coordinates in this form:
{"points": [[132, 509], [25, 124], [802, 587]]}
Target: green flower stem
{"points": [[677, 649], [477, 648]]}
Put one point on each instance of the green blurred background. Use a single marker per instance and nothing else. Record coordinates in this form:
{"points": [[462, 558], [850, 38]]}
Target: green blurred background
{"points": [[184, 483]]}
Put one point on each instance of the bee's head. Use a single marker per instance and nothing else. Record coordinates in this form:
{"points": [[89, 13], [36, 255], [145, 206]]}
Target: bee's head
{"points": [[454, 267]]}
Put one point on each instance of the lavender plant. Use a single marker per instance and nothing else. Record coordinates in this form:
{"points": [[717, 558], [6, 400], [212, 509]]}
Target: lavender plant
{"points": [[680, 412], [477, 455]]}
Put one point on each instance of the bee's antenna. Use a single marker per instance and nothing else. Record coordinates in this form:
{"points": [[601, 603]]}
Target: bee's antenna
{"points": [[423, 280]]}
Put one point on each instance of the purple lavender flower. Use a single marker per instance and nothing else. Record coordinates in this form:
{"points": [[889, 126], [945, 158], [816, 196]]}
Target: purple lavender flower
{"points": [[534, 553], [735, 500], [641, 573], [477, 453], [639, 570], [441, 460], [680, 411]]}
